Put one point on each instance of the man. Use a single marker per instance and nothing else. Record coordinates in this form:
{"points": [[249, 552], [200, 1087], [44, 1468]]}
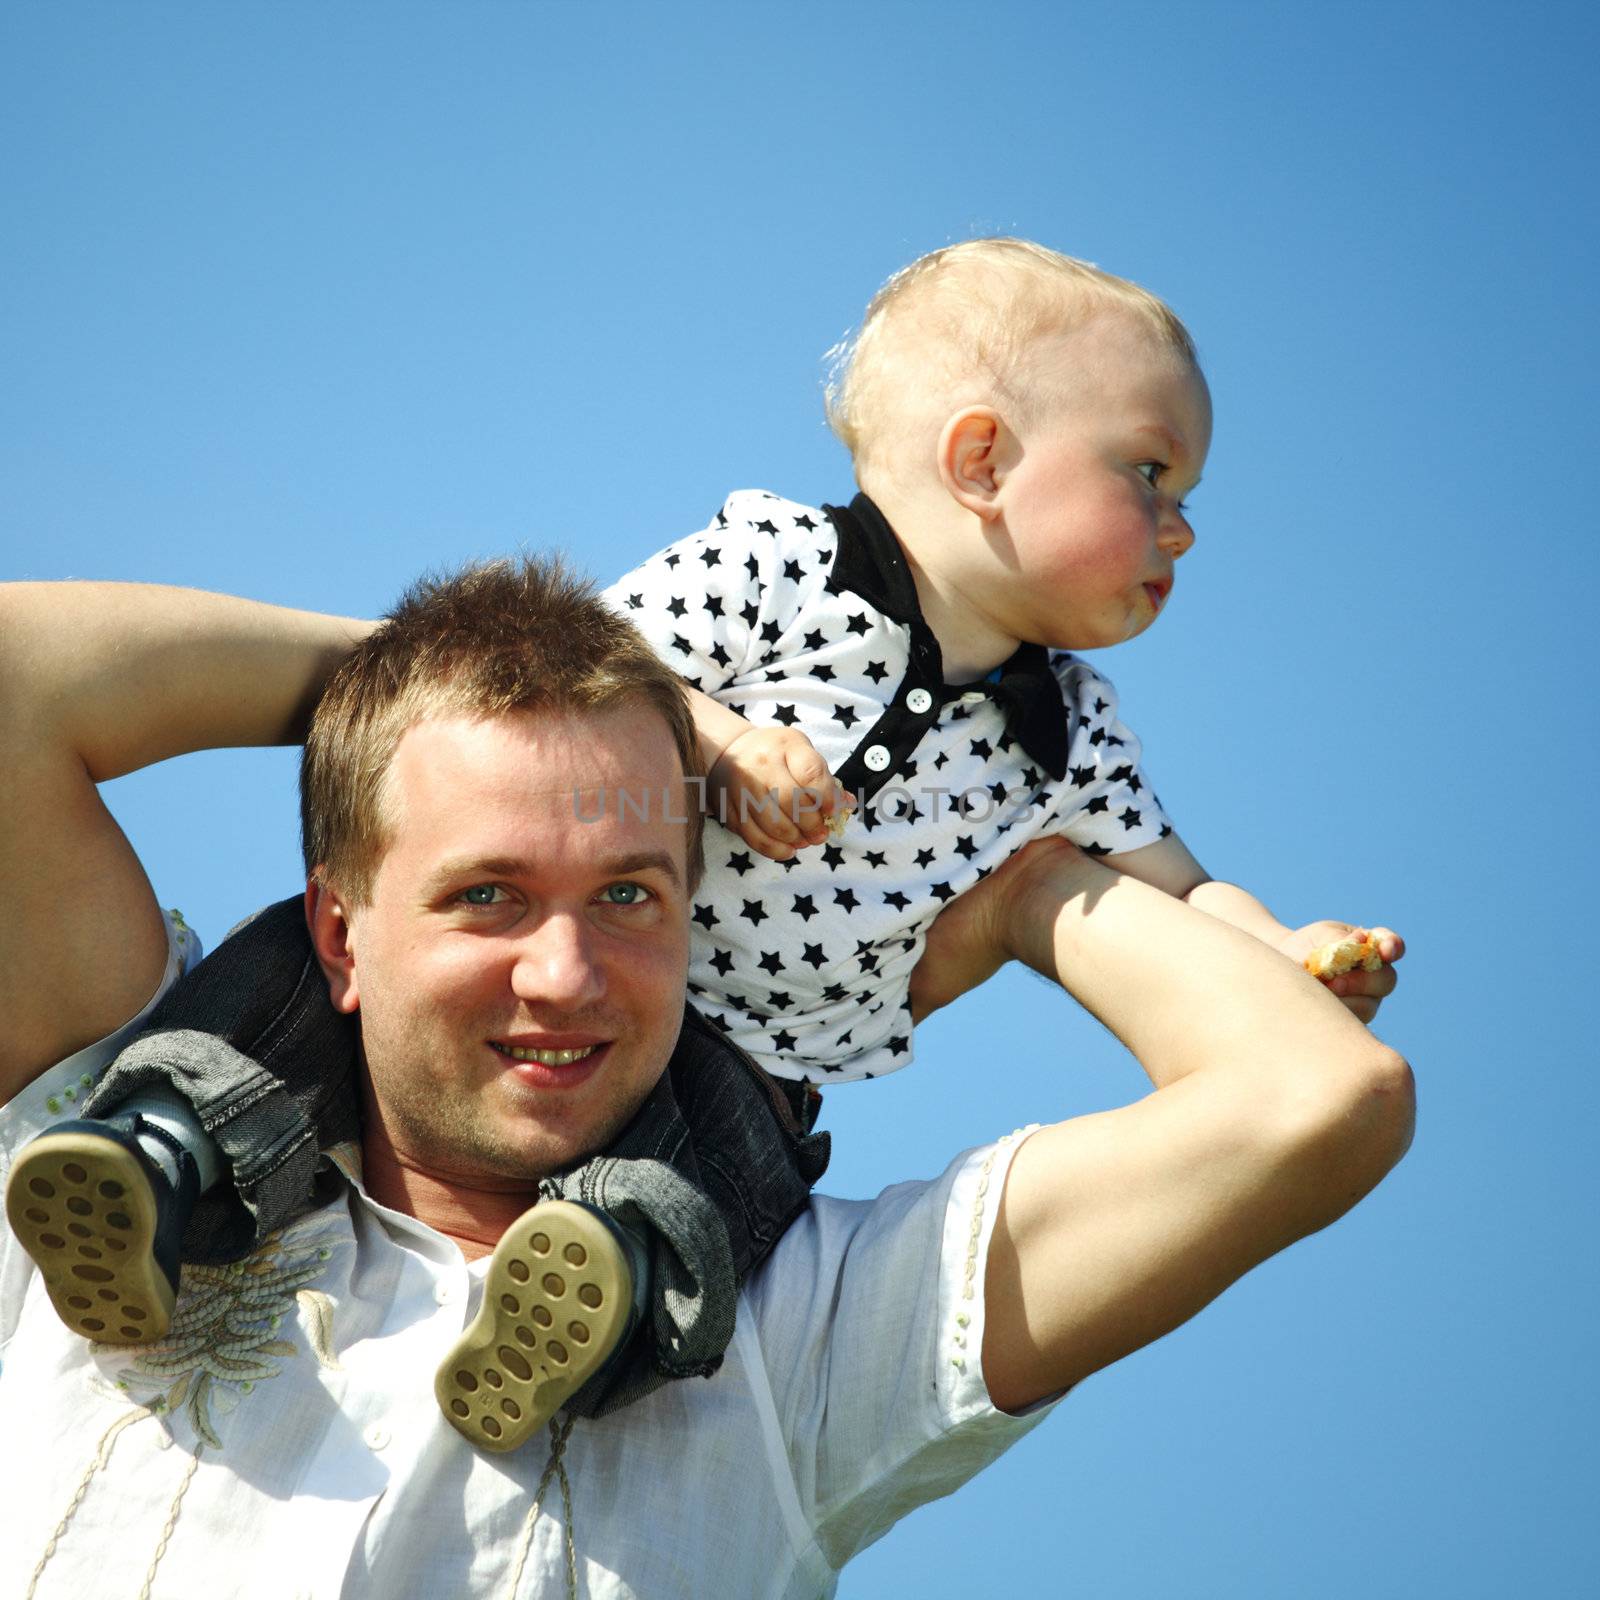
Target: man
{"points": [[279, 1441]]}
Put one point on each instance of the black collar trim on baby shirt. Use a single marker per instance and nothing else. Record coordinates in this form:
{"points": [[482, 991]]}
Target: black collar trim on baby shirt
{"points": [[870, 562]]}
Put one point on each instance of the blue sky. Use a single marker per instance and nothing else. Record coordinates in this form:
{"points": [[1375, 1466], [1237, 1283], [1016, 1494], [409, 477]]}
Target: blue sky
{"points": [[300, 299]]}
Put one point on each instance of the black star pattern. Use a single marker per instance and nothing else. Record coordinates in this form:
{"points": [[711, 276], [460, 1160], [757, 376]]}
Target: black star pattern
{"points": [[1135, 783], [770, 632], [834, 993], [814, 640], [791, 570], [677, 606], [876, 858], [674, 558], [846, 899], [896, 899], [1082, 777], [775, 674], [1166, 828], [869, 961], [939, 761], [749, 613], [783, 1040], [997, 793], [780, 1000], [753, 567], [980, 748], [1098, 736], [845, 715], [740, 862], [1099, 803], [832, 857], [803, 521], [764, 526], [722, 960], [1100, 706], [822, 672], [787, 715], [924, 858], [844, 1039], [722, 519], [1030, 778], [899, 1044], [813, 956], [942, 892], [712, 558], [1129, 818], [635, 602], [771, 961], [720, 656], [706, 917], [858, 625], [754, 912], [876, 671], [1097, 849], [805, 907], [965, 848], [680, 644], [713, 606]]}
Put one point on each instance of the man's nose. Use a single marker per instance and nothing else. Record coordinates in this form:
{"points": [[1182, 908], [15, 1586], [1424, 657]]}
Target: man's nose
{"points": [[558, 962]]}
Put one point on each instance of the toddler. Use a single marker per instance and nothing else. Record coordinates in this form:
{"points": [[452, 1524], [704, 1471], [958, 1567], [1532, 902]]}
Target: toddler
{"points": [[889, 705]]}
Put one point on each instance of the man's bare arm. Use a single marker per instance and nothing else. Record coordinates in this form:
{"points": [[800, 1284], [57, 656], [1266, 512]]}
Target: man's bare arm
{"points": [[97, 680], [1274, 1112]]}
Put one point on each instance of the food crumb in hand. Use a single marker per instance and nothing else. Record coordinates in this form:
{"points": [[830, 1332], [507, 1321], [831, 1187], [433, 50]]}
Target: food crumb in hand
{"points": [[1344, 955]]}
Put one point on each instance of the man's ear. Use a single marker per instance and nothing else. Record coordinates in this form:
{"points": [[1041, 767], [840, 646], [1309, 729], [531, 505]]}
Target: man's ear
{"points": [[329, 922], [974, 456]]}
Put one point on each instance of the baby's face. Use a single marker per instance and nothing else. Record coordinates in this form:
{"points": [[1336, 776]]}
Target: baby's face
{"points": [[1093, 504]]}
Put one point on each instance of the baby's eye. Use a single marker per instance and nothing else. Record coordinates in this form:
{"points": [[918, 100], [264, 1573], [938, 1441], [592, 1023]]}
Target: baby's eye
{"points": [[626, 894], [1151, 472], [482, 894]]}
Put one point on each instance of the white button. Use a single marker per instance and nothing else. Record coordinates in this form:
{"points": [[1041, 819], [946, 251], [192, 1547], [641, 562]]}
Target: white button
{"points": [[919, 700], [376, 1437], [877, 757]]}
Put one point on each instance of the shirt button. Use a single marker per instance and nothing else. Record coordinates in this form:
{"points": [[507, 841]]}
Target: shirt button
{"points": [[919, 700], [877, 757], [377, 1437]]}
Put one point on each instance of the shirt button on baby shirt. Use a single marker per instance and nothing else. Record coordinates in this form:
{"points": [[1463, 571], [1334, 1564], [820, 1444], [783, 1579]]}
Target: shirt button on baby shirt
{"points": [[919, 700], [877, 757], [376, 1436]]}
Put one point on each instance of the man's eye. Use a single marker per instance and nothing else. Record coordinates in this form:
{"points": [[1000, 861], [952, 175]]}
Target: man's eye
{"points": [[481, 894], [626, 894]]}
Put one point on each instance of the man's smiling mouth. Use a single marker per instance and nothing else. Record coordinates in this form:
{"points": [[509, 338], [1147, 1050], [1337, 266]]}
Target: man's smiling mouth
{"points": [[546, 1058]]}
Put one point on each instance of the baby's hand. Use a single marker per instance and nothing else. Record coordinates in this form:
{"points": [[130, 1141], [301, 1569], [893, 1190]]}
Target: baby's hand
{"points": [[1356, 964], [772, 789]]}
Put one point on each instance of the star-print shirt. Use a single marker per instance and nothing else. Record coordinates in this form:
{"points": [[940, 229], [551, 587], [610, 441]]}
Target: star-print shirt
{"points": [[809, 619]]}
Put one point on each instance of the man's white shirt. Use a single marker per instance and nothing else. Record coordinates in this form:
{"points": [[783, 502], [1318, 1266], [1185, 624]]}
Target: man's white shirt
{"points": [[284, 1441]]}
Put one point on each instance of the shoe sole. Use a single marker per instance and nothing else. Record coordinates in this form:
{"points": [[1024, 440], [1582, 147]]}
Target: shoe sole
{"points": [[556, 1302], [82, 1207]]}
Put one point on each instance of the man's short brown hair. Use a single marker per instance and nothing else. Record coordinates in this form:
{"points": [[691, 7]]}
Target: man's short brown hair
{"points": [[494, 638]]}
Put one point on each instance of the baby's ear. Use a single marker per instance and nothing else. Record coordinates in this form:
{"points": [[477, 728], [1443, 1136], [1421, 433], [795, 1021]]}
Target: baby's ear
{"points": [[972, 459], [329, 923]]}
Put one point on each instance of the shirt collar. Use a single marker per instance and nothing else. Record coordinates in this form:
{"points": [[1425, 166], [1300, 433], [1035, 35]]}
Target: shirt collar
{"points": [[870, 562]]}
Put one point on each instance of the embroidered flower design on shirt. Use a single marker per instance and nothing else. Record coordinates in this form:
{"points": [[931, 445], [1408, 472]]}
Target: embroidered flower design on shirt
{"points": [[224, 1336]]}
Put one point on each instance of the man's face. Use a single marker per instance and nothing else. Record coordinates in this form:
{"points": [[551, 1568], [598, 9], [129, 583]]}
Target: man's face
{"points": [[1092, 509], [519, 970]]}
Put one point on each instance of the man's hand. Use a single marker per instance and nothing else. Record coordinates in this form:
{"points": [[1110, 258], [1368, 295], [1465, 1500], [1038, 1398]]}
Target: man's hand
{"points": [[772, 788], [1361, 993], [972, 938]]}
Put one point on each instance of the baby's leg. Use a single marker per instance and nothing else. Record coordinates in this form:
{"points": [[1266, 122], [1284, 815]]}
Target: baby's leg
{"points": [[201, 1138], [628, 1276]]}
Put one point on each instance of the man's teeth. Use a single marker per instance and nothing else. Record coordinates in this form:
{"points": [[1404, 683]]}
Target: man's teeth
{"points": [[548, 1058]]}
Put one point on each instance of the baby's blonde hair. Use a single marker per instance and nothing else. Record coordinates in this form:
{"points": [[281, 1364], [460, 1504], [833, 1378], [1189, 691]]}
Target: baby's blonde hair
{"points": [[954, 329]]}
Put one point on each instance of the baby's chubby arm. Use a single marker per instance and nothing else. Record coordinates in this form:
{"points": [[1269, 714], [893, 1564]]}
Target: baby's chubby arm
{"points": [[1170, 867], [769, 785]]}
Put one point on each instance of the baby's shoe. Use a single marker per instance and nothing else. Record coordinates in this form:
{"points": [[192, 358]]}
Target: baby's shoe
{"points": [[566, 1288], [101, 1205]]}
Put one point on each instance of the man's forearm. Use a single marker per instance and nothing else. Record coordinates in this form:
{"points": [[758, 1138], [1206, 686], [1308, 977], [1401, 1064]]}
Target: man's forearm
{"points": [[128, 674], [1148, 965]]}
